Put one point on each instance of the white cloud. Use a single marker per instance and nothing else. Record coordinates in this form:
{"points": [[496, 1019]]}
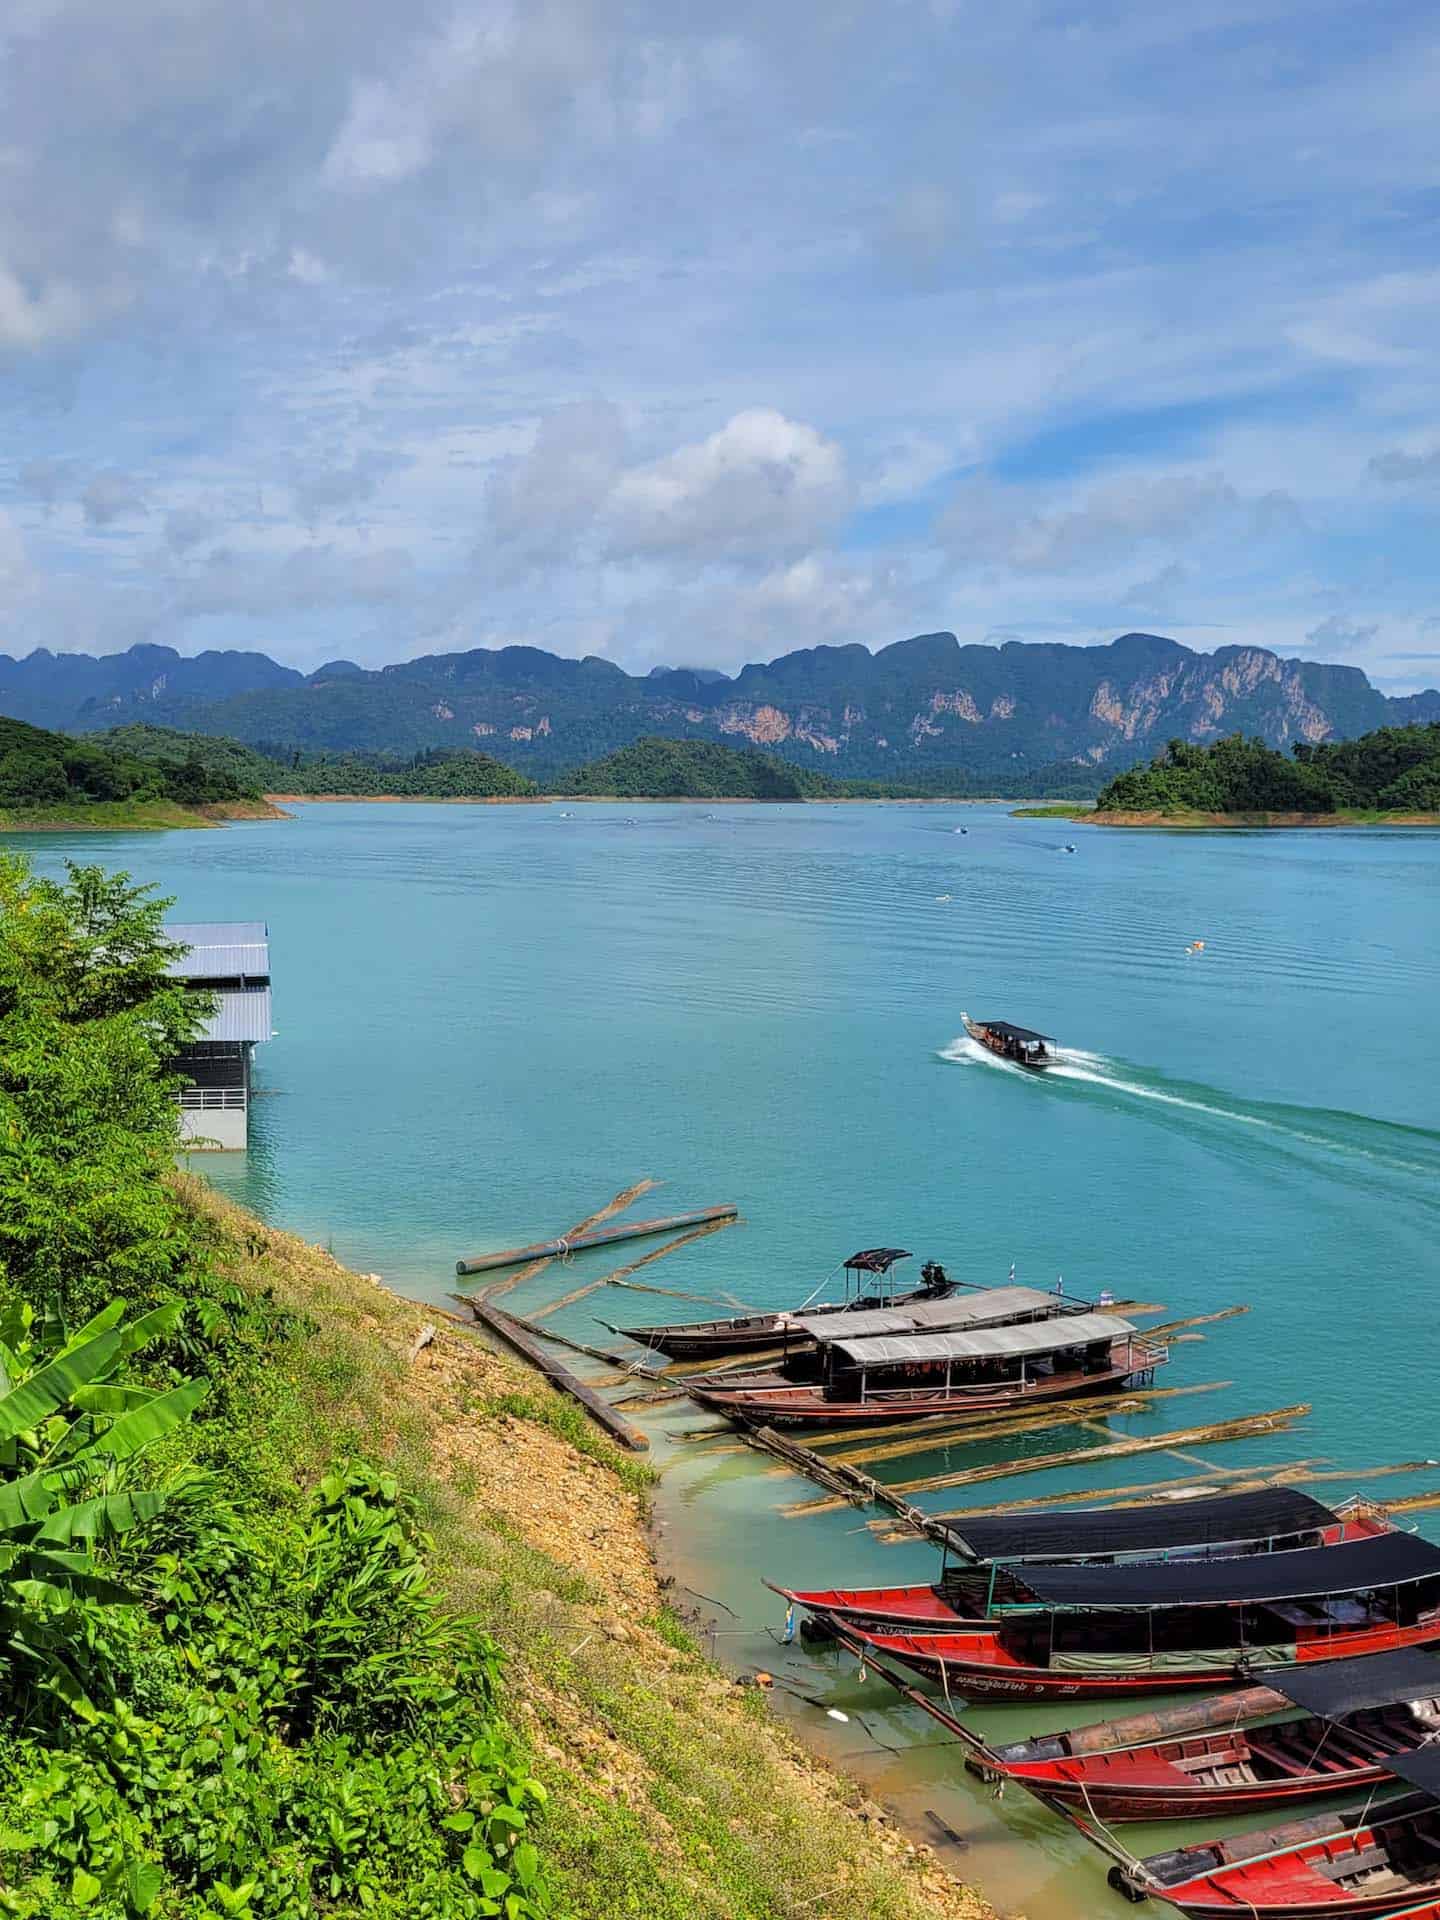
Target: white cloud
{"points": [[1338, 635], [760, 484], [112, 496], [985, 524]]}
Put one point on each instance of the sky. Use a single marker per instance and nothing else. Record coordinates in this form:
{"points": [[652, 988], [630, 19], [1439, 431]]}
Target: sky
{"points": [[691, 333]]}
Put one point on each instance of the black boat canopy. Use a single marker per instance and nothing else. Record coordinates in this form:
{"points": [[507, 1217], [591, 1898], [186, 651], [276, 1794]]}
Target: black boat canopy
{"points": [[1011, 1033], [1310, 1573], [876, 1259], [1334, 1687], [1055, 1533], [1421, 1768]]}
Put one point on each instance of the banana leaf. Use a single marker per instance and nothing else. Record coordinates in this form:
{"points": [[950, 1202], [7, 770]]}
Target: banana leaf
{"points": [[151, 1422], [102, 1517], [29, 1403]]}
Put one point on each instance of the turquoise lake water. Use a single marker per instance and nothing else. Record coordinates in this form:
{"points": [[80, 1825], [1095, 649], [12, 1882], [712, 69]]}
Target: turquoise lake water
{"points": [[490, 1019]]}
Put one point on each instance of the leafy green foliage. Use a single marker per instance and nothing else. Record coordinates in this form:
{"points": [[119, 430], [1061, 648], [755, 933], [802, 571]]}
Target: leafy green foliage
{"points": [[435, 773], [220, 1693], [1392, 768], [40, 769]]}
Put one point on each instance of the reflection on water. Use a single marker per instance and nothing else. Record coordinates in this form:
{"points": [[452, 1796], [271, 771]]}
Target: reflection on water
{"points": [[491, 1019]]}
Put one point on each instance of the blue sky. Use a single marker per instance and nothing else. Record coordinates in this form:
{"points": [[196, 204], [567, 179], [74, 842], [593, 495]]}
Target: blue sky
{"points": [[691, 333]]}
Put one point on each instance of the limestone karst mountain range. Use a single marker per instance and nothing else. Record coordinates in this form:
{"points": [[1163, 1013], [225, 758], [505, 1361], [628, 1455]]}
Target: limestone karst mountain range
{"points": [[914, 707]]}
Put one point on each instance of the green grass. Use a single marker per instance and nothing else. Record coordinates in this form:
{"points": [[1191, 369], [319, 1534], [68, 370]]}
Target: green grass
{"points": [[1055, 810]]}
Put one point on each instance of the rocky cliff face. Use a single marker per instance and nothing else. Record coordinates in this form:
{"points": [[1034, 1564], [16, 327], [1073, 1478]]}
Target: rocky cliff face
{"points": [[926, 703]]}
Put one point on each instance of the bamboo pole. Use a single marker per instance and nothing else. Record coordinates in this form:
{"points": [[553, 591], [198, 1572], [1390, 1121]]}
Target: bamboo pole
{"points": [[517, 1335], [1277, 1421], [958, 1434], [1414, 1503], [592, 1237], [1168, 1331], [618, 1277], [626, 1197]]}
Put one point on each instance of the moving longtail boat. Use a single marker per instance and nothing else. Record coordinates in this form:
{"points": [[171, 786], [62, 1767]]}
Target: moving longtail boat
{"points": [[1021, 1046], [1268, 1520], [1230, 1754], [1371, 1858], [752, 1332], [1099, 1632], [899, 1376]]}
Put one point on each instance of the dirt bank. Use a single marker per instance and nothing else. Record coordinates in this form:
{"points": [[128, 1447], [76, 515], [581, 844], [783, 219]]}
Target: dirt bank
{"points": [[674, 1794]]}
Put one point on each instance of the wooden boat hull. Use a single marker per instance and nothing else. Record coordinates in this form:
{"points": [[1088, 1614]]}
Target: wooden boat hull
{"points": [[804, 1406], [756, 1332], [1325, 1866], [983, 1037], [979, 1666]]}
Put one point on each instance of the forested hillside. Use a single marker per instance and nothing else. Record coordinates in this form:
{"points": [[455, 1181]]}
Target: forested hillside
{"points": [[434, 773], [1392, 769], [42, 772]]}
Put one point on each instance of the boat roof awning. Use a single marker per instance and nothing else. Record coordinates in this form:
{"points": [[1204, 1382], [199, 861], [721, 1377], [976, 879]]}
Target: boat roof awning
{"points": [[987, 1343], [1419, 1768], [1334, 1687], [971, 1310], [1056, 1533], [1011, 1032], [876, 1259], [1310, 1573]]}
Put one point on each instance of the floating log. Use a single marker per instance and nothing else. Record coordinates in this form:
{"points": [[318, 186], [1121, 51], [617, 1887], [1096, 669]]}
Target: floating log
{"points": [[626, 1197], [1168, 1331], [619, 1277], [515, 1333], [1242, 1429], [954, 1434], [594, 1237]]}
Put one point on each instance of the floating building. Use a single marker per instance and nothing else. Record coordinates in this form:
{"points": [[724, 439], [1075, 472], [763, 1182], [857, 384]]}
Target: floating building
{"points": [[231, 960]]}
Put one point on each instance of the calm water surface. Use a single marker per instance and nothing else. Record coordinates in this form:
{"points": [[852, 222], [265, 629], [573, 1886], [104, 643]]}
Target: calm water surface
{"points": [[489, 1019]]}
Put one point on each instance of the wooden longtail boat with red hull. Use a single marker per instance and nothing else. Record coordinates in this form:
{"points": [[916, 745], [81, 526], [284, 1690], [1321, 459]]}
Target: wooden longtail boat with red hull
{"points": [[752, 1332], [1268, 1520], [1230, 1754], [1378, 1859], [1101, 1632], [1021, 1046], [892, 1377]]}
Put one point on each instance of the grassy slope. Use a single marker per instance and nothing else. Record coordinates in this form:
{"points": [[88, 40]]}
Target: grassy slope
{"points": [[1190, 817], [674, 1796], [116, 816]]}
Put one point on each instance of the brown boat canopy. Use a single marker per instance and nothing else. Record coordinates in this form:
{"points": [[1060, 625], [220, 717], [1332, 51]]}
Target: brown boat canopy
{"points": [[992, 1343]]}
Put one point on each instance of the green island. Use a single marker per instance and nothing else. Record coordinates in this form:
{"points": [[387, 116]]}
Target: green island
{"points": [[1388, 777], [314, 1608]]}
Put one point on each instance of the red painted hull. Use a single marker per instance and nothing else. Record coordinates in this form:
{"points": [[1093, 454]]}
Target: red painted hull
{"points": [[1083, 1785], [1349, 1871], [980, 1667]]}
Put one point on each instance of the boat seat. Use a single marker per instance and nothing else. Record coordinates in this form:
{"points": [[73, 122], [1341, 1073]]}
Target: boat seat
{"points": [[1293, 1758]]}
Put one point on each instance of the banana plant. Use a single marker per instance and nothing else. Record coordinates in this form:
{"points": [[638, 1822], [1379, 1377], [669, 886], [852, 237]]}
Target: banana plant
{"points": [[69, 1434]]}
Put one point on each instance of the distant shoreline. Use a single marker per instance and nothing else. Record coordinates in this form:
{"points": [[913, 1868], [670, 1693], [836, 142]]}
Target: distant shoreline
{"points": [[636, 800], [131, 816], [1183, 820]]}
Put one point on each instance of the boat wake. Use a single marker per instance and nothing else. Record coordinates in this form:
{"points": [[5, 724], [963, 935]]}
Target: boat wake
{"points": [[1401, 1148]]}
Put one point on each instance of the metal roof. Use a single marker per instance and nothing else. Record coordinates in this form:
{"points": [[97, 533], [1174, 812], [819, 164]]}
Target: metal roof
{"points": [[1049, 1336], [239, 1016], [972, 1310], [1010, 1031], [220, 949]]}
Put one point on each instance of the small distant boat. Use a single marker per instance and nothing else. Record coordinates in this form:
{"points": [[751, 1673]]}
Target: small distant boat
{"points": [[1022, 1045]]}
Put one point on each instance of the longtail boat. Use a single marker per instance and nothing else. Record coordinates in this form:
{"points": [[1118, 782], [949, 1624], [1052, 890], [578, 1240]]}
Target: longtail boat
{"points": [[895, 1376], [804, 1362], [1377, 1859], [1100, 1632], [1022, 1046], [1230, 1754], [751, 1332], [1267, 1520]]}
